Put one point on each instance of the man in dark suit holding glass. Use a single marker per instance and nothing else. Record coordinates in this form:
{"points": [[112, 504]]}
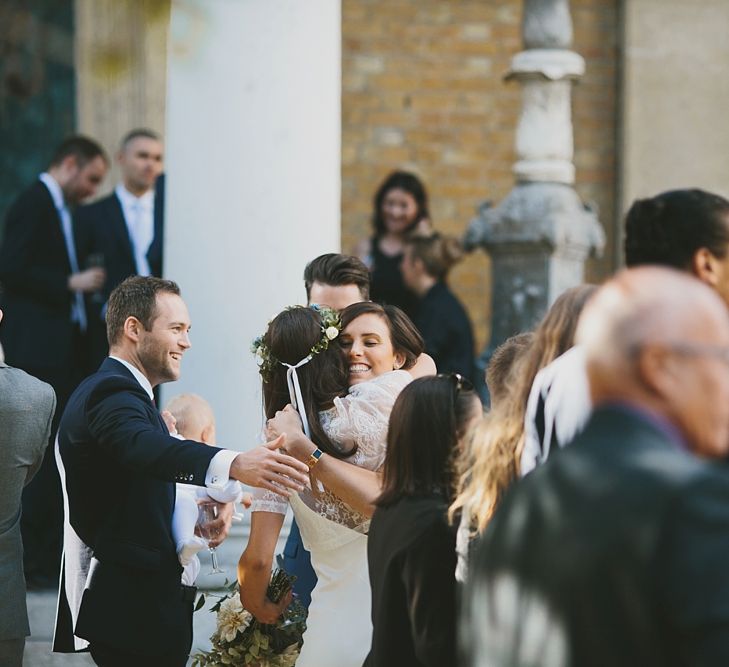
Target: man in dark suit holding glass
{"points": [[44, 283]]}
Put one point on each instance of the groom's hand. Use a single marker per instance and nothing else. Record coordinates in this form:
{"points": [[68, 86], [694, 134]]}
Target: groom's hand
{"points": [[267, 468]]}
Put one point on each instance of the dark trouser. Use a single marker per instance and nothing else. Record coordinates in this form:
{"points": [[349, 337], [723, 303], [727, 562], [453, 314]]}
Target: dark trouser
{"points": [[11, 652], [108, 656], [111, 656], [41, 522]]}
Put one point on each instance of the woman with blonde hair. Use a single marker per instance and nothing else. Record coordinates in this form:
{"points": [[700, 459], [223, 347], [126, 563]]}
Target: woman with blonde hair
{"points": [[490, 463]]}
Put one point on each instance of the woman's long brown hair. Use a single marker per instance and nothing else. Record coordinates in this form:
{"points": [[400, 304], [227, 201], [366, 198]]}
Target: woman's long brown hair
{"points": [[290, 336]]}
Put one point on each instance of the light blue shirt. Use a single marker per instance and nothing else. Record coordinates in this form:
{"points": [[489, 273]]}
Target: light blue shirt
{"points": [[78, 310], [139, 217]]}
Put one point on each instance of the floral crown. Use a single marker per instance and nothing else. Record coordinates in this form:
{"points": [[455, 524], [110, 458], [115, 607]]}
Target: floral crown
{"points": [[331, 326]]}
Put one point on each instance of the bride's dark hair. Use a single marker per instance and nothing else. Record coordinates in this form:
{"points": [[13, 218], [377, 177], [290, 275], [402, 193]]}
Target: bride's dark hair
{"points": [[290, 337]]}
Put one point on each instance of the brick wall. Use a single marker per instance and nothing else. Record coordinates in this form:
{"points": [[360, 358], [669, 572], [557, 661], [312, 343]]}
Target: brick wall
{"points": [[422, 89]]}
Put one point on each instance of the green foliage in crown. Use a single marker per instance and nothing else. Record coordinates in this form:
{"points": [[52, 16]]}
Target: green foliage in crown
{"points": [[331, 327]]}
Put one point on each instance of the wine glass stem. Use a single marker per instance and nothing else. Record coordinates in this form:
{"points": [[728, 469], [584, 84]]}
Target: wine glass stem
{"points": [[214, 557]]}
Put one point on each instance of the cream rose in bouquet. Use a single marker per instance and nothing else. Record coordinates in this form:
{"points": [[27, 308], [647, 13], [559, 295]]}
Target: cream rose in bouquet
{"points": [[239, 639]]}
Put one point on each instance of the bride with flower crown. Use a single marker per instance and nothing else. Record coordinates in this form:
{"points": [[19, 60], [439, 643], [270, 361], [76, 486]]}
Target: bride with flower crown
{"points": [[308, 357]]}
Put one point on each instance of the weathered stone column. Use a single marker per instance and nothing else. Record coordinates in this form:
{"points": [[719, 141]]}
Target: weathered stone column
{"points": [[540, 235]]}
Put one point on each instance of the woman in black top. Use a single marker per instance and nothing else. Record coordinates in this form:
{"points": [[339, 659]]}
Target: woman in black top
{"points": [[411, 548], [440, 316], [400, 208]]}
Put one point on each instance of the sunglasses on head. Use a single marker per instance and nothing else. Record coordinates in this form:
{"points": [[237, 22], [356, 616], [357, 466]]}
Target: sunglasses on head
{"points": [[460, 382]]}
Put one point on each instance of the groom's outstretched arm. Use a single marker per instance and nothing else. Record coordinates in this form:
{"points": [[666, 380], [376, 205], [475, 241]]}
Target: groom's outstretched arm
{"points": [[119, 421], [267, 468]]}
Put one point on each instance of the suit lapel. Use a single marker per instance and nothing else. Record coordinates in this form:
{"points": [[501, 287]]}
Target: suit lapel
{"points": [[154, 254], [55, 225], [119, 227]]}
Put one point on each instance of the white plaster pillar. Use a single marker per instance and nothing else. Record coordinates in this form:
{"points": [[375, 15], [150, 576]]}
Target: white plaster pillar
{"points": [[253, 180]]}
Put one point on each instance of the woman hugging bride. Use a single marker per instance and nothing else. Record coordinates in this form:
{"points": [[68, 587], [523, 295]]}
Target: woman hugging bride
{"points": [[343, 376]]}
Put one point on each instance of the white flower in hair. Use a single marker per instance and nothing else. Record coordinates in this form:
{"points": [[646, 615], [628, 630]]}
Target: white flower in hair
{"points": [[259, 356], [332, 332]]}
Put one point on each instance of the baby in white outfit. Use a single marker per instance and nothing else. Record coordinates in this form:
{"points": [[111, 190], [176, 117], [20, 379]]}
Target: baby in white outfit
{"points": [[194, 420]]}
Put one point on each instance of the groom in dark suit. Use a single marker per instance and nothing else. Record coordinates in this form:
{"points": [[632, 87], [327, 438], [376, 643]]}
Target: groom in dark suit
{"points": [[121, 590], [124, 231], [615, 551], [43, 283]]}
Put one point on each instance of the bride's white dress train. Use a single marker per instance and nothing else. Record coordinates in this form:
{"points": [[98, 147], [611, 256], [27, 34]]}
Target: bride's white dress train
{"points": [[339, 629]]}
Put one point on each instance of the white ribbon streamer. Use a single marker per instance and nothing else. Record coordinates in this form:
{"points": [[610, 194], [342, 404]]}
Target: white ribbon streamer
{"points": [[297, 400]]}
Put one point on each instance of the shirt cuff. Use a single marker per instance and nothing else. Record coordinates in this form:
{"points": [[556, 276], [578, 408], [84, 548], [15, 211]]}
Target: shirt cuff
{"points": [[218, 472]]}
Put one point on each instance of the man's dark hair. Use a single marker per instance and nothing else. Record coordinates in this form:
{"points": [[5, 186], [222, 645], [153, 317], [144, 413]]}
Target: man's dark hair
{"points": [[135, 297], [336, 270], [668, 229], [428, 419], [405, 337], [137, 133], [80, 147]]}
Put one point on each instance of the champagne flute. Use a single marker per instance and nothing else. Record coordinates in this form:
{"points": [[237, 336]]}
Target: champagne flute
{"points": [[208, 513]]}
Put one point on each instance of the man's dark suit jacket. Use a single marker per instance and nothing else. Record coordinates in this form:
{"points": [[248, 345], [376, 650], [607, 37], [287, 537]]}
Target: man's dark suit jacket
{"points": [[446, 330], [101, 228], [34, 270], [120, 468], [614, 552]]}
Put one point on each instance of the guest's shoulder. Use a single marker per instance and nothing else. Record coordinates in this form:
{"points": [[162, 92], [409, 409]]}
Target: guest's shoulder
{"points": [[35, 196], [387, 382], [448, 303], [417, 518], [19, 384], [699, 503], [705, 480], [113, 380], [95, 208]]}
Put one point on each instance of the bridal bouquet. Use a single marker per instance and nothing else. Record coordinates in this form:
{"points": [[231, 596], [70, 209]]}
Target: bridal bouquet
{"points": [[239, 639]]}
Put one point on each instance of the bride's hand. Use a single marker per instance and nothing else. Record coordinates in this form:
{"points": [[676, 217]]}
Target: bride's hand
{"points": [[264, 610], [288, 421], [284, 421]]}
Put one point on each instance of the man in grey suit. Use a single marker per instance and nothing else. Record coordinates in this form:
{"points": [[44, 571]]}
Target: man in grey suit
{"points": [[26, 410]]}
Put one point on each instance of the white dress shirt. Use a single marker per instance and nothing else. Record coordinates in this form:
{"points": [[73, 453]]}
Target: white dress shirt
{"points": [[139, 216], [78, 311], [218, 472]]}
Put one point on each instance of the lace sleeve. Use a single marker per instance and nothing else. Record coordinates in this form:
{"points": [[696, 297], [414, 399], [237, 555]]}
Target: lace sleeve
{"points": [[268, 501], [363, 416]]}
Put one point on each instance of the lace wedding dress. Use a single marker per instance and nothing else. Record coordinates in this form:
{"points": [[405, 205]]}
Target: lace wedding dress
{"points": [[339, 628]]}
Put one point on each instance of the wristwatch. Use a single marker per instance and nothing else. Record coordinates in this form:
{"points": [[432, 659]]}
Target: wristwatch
{"points": [[314, 458]]}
